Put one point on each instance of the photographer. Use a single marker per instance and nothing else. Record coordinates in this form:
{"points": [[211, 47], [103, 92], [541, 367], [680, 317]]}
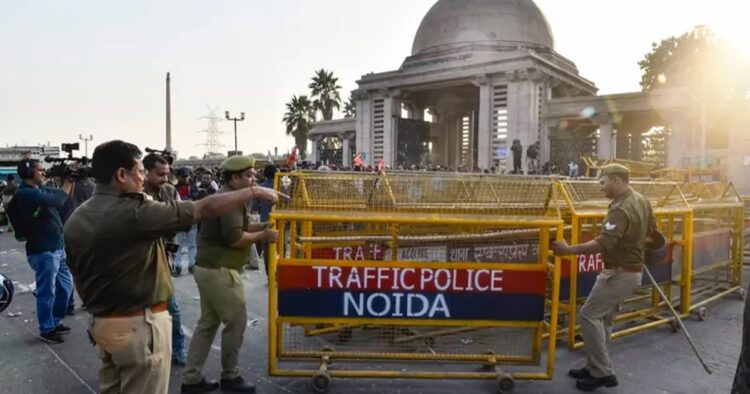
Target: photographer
{"points": [[118, 259], [34, 215], [157, 186]]}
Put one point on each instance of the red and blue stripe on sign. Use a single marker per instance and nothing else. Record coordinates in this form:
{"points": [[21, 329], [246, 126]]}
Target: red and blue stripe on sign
{"points": [[403, 292]]}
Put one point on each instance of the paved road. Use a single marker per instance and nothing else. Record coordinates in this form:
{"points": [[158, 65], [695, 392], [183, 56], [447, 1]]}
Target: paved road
{"points": [[653, 362]]}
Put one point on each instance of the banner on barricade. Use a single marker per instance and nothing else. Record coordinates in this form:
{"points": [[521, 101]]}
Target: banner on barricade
{"points": [[412, 293]]}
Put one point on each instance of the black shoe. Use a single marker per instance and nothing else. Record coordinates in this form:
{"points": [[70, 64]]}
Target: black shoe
{"points": [[62, 329], [191, 269], [52, 337], [71, 310], [582, 373], [236, 385], [204, 386], [176, 272], [592, 383]]}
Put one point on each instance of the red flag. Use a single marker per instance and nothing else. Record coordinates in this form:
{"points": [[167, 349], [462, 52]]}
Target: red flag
{"points": [[381, 164], [292, 157], [358, 160]]}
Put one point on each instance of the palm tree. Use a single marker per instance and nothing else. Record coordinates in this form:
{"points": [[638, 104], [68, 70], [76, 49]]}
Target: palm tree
{"points": [[350, 108], [325, 91], [299, 118]]}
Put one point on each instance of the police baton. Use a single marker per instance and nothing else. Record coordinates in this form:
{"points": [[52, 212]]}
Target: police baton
{"points": [[677, 319]]}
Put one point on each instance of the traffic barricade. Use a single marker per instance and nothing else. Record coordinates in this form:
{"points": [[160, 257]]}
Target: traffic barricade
{"points": [[718, 237], [413, 276], [584, 211]]}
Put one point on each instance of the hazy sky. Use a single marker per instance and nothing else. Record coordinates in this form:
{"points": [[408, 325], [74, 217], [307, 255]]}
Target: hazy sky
{"points": [[98, 67]]}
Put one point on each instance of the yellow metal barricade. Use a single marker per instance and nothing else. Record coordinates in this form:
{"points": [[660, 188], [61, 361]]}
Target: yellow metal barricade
{"points": [[584, 210], [413, 276], [718, 237]]}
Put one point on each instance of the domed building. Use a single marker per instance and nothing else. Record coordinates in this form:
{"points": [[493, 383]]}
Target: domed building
{"points": [[483, 73]]}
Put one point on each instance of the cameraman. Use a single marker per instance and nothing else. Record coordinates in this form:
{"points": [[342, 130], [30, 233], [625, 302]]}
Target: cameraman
{"points": [[119, 262], [34, 214], [157, 186]]}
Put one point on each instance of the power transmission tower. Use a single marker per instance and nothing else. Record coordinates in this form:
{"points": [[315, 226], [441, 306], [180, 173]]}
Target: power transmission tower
{"points": [[213, 143]]}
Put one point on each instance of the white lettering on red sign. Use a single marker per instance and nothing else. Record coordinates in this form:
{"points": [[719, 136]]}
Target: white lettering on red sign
{"points": [[590, 263]]}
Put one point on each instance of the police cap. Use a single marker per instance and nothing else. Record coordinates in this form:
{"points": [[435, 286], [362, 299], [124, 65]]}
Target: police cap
{"points": [[611, 169], [237, 163]]}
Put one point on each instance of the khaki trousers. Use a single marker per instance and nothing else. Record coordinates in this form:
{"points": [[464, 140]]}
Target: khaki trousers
{"points": [[610, 290], [136, 352], [222, 295]]}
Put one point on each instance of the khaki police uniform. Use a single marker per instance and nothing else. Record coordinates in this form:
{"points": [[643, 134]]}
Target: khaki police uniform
{"points": [[623, 236], [222, 291], [116, 254]]}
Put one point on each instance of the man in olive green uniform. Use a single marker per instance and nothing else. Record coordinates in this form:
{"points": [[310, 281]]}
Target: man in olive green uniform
{"points": [[116, 254], [223, 246], [622, 243]]}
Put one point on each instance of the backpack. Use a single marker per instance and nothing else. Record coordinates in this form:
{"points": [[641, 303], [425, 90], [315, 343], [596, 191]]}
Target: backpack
{"points": [[16, 218]]}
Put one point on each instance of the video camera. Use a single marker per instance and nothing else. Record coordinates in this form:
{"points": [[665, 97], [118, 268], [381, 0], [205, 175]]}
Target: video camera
{"points": [[167, 155], [62, 168]]}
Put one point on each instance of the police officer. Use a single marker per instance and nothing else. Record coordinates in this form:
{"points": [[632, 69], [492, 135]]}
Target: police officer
{"points": [[223, 246], [119, 263], [157, 186], [622, 243]]}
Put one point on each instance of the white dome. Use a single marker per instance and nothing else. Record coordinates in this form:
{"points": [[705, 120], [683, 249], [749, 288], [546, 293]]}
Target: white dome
{"points": [[455, 23]]}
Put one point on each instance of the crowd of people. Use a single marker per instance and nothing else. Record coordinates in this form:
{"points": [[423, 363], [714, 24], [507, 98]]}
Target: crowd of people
{"points": [[118, 244]]}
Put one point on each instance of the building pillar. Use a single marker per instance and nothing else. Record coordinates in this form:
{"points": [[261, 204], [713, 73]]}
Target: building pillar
{"points": [[605, 148], [391, 115], [678, 142], [363, 124], [314, 155], [346, 154], [484, 133], [523, 114]]}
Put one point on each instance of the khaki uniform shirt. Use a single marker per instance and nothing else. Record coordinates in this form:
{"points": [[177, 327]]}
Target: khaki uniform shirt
{"points": [[216, 236], [623, 236], [116, 252], [167, 193]]}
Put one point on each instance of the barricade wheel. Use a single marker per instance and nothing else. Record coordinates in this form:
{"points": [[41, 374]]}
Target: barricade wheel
{"points": [[505, 384], [702, 313], [743, 293], [430, 341], [675, 327], [321, 382]]}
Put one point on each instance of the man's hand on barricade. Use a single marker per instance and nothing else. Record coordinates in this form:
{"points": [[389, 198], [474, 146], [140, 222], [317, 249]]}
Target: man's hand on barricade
{"points": [[268, 195], [270, 235], [561, 248]]}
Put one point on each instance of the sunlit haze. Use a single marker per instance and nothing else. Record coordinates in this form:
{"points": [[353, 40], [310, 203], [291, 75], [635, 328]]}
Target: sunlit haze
{"points": [[94, 67]]}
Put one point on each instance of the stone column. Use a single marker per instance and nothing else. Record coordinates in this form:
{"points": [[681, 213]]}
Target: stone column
{"points": [[678, 143], [314, 156], [484, 134], [364, 123], [523, 111], [391, 114], [605, 148], [346, 159]]}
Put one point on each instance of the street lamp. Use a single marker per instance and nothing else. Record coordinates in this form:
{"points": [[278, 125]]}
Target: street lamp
{"points": [[240, 119], [86, 143]]}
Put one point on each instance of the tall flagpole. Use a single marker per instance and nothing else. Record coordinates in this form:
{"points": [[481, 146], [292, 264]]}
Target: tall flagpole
{"points": [[169, 118]]}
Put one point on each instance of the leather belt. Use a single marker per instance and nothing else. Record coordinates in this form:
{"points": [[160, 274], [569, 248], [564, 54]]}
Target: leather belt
{"points": [[154, 309]]}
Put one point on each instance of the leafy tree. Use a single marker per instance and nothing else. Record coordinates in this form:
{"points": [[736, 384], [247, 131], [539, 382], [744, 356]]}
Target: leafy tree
{"points": [[655, 146], [711, 70], [325, 92], [299, 117], [350, 108]]}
